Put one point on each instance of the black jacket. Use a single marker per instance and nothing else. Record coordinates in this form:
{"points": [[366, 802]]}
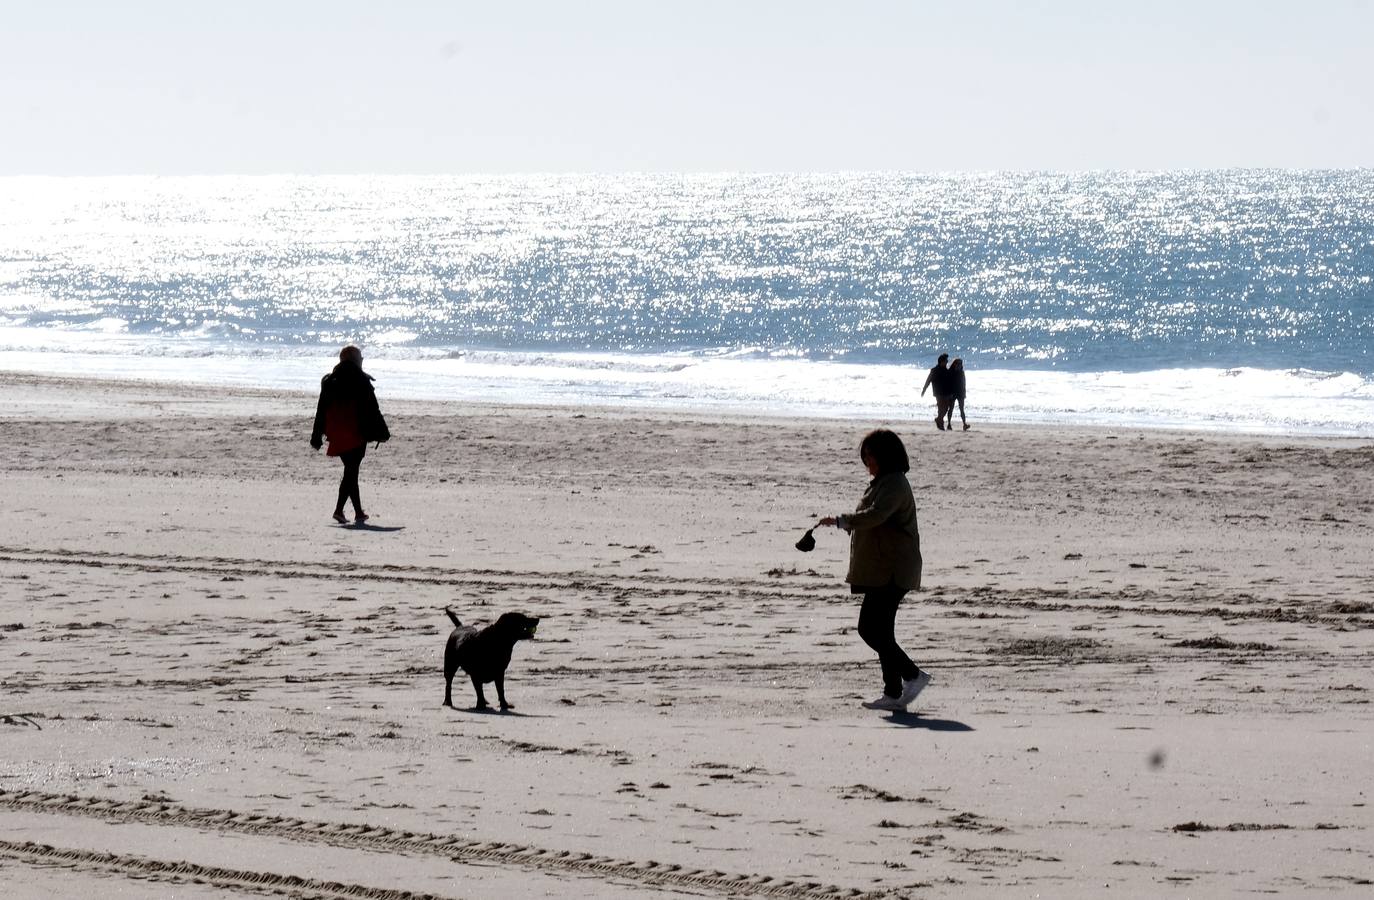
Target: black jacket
{"points": [[938, 381], [349, 385]]}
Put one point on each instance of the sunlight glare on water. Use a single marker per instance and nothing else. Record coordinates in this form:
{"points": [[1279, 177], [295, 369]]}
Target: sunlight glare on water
{"points": [[1076, 273]]}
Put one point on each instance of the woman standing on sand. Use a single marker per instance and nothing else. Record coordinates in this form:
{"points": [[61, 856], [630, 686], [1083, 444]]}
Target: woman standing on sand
{"points": [[885, 563], [349, 416]]}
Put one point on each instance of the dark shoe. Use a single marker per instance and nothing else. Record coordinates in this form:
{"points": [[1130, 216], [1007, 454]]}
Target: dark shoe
{"points": [[340, 517]]}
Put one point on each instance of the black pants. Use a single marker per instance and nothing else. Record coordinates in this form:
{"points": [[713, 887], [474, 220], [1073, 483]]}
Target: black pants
{"points": [[877, 621], [348, 485], [944, 408]]}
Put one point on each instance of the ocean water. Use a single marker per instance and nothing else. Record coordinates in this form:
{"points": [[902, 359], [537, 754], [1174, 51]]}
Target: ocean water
{"points": [[1230, 300]]}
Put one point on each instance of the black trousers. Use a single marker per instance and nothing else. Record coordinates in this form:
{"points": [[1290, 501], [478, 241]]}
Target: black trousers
{"points": [[348, 485], [877, 624]]}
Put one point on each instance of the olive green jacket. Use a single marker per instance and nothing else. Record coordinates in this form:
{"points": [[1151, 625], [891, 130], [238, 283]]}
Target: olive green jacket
{"points": [[884, 544]]}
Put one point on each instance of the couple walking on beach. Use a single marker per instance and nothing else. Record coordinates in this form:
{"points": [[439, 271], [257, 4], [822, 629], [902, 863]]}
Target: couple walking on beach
{"points": [[947, 384]]}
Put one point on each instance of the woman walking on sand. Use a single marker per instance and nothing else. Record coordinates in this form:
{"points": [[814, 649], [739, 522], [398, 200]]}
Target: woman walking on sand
{"points": [[957, 389], [348, 415], [885, 563]]}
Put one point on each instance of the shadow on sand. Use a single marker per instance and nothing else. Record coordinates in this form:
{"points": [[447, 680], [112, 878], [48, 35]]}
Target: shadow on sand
{"points": [[496, 711], [366, 526], [913, 720]]}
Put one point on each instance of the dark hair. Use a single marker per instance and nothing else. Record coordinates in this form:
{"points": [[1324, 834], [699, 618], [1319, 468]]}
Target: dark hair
{"points": [[885, 448], [943, 357]]}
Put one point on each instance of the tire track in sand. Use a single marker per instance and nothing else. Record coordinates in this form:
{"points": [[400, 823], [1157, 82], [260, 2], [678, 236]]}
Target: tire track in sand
{"points": [[147, 869], [1129, 601], [388, 840]]}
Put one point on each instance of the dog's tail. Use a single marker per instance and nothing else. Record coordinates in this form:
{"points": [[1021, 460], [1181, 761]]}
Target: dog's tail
{"points": [[453, 616]]}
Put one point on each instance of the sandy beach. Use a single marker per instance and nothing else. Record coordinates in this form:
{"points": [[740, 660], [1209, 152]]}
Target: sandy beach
{"points": [[1151, 652]]}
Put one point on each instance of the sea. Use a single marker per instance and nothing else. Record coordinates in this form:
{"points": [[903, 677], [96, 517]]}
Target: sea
{"points": [[1233, 301]]}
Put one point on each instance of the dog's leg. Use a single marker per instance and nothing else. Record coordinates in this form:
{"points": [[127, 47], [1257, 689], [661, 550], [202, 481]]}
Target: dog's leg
{"points": [[481, 698], [450, 666], [501, 692]]}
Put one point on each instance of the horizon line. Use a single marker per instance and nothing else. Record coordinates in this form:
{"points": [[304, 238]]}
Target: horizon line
{"points": [[743, 172]]}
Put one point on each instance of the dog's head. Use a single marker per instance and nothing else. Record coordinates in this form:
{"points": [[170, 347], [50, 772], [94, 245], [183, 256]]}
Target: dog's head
{"points": [[517, 626]]}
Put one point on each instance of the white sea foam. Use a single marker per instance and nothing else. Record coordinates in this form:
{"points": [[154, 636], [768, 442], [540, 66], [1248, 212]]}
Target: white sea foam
{"points": [[1224, 400], [1106, 298]]}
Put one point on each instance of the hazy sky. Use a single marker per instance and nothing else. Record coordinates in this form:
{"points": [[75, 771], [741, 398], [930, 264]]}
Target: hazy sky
{"points": [[241, 86]]}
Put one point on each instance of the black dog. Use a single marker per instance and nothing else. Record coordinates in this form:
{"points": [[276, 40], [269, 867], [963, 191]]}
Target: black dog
{"points": [[484, 654]]}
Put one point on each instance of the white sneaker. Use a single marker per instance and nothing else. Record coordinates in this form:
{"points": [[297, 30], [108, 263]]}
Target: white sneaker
{"points": [[891, 704], [911, 687]]}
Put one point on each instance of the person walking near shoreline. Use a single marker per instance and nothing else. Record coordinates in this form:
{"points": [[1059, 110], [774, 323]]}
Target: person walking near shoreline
{"points": [[348, 415], [957, 390], [939, 383], [885, 563]]}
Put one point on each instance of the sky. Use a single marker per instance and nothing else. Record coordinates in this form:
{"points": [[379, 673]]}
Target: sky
{"points": [[91, 87]]}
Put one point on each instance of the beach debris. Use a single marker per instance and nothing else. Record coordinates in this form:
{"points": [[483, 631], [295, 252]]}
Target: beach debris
{"points": [[867, 792], [1234, 826], [1051, 646], [23, 720], [1217, 642], [966, 821]]}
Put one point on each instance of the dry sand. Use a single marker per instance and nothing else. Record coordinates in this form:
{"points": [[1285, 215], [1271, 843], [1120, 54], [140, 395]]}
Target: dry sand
{"points": [[1151, 655]]}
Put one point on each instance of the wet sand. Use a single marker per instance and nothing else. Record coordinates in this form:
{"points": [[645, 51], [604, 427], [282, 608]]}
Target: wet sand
{"points": [[1151, 652]]}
